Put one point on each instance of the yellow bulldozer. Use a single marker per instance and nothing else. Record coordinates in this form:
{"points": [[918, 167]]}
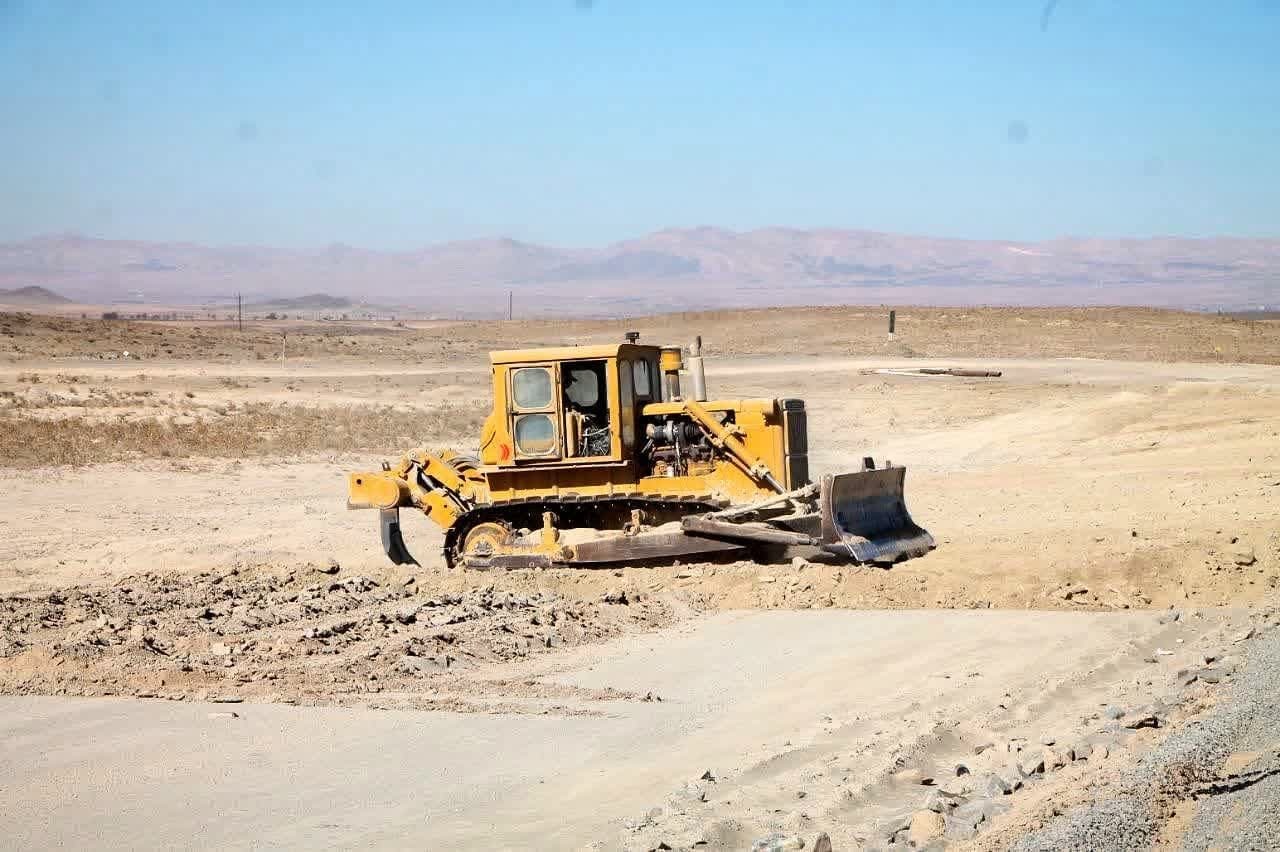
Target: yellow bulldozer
{"points": [[596, 455]]}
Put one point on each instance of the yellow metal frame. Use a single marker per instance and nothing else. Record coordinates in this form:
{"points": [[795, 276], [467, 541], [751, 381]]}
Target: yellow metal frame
{"points": [[751, 433]]}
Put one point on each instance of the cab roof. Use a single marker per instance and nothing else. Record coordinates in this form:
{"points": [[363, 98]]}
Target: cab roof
{"points": [[570, 353]]}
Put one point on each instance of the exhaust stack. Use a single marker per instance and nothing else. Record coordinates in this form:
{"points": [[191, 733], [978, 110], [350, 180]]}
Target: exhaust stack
{"points": [[697, 374], [671, 361]]}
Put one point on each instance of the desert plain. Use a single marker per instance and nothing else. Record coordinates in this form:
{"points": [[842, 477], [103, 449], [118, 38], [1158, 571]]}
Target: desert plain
{"points": [[200, 646]]}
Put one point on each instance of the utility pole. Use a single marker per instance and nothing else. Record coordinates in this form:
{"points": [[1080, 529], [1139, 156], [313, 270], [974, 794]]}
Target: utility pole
{"points": [[510, 304], [239, 313]]}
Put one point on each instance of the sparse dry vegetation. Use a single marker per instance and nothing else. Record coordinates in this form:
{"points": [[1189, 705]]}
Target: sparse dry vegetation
{"points": [[1117, 333], [223, 393], [254, 429]]}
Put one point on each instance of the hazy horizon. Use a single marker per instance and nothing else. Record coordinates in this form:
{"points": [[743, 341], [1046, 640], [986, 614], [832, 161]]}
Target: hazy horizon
{"points": [[669, 269], [584, 123], [305, 248]]}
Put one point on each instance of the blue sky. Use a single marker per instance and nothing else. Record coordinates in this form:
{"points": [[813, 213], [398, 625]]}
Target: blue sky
{"points": [[394, 125]]}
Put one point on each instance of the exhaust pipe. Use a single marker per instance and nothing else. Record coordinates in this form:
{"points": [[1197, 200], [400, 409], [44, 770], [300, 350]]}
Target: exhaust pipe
{"points": [[671, 362], [697, 374]]}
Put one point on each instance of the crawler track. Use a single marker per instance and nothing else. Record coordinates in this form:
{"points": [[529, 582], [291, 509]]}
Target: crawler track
{"points": [[592, 513]]}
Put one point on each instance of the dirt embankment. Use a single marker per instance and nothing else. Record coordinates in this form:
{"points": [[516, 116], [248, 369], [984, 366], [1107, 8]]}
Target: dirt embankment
{"points": [[321, 634], [315, 635]]}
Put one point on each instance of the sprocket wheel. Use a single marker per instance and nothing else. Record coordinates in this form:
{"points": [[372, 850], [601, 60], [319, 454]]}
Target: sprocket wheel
{"points": [[484, 540]]}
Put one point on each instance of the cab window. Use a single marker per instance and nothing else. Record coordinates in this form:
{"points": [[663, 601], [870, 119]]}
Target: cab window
{"points": [[535, 435], [583, 388], [640, 377], [533, 416], [531, 387], [587, 426]]}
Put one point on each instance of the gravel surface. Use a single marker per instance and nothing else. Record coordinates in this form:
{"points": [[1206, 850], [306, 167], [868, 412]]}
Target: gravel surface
{"points": [[317, 635], [1223, 769]]}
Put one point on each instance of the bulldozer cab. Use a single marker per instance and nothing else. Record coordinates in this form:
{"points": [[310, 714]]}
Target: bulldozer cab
{"points": [[578, 405]]}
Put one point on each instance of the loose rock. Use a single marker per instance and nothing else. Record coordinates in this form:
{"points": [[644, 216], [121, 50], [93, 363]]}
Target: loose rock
{"points": [[416, 665], [1032, 766], [1242, 554], [970, 814], [940, 802], [889, 828], [1210, 675], [926, 826], [1143, 720], [993, 785], [778, 843], [957, 830], [1072, 591], [909, 776]]}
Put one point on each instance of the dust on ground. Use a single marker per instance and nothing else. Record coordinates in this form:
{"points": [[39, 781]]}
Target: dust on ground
{"points": [[175, 524]]}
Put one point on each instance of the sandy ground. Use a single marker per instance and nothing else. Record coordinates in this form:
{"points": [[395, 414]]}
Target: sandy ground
{"points": [[191, 550], [1148, 483], [799, 716], [1138, 334]]}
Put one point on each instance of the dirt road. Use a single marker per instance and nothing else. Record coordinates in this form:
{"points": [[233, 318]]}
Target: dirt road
{"points": [[799, 716]]}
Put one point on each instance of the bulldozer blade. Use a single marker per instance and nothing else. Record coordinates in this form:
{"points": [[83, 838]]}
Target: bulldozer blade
{"points": [[392, 539], [864, 516]]}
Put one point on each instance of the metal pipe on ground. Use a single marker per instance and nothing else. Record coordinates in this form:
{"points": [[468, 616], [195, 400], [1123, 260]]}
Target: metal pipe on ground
{"points": [[964, 372], [957, 372]]}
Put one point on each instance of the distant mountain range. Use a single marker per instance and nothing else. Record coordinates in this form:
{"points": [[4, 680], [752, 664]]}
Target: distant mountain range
{"points": [[309, 302], [675, 269], [31, 296]]}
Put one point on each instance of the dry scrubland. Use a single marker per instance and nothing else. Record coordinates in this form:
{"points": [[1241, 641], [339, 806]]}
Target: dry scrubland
{"points": [[1066, 483], [195, 390], [174, 527], [1122, 333]]}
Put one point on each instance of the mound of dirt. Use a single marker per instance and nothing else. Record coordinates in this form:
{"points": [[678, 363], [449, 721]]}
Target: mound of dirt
{"points": [[307, 637]]}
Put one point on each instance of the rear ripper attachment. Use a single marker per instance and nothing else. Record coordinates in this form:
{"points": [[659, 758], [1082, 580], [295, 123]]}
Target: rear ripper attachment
{"points": [[594, 456]]}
